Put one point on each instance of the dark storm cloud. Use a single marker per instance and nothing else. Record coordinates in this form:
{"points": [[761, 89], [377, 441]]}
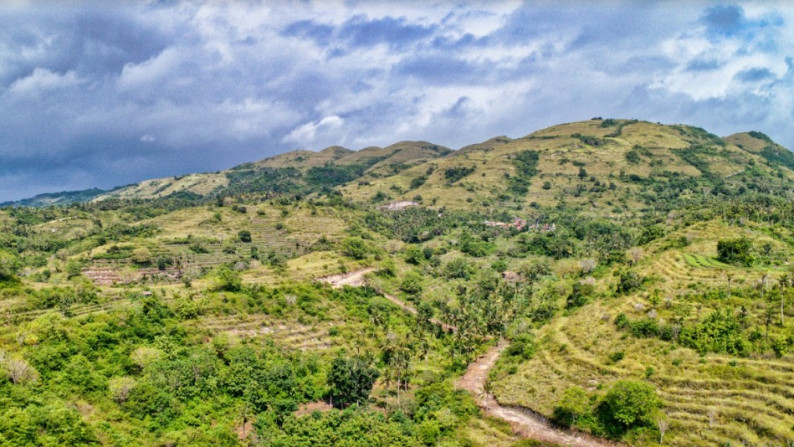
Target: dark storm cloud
{"points": [[97, 95]]}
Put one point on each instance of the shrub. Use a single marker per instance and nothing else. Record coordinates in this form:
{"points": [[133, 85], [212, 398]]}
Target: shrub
{"points": [[735, 251], [454, 174], [573, 405], [228, 280], [458, 268], [522, 346], [628, 404], [244, 235], [355, 247], [629, 282], [414, 255], [412, 283]]}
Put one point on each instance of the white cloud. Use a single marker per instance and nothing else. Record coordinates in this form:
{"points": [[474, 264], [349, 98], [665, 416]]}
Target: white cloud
{"points": [[43, 80], [308, 133]]}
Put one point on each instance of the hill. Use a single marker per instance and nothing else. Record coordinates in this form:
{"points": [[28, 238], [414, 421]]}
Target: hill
{"points": [[599, 261], [297, 172]]}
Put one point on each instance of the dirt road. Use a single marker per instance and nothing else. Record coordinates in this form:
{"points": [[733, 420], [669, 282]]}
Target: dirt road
{"points": [[356, 279], [525, 423]]}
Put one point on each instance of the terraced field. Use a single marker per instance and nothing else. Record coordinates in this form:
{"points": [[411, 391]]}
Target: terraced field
{"points": [[709, 400]]}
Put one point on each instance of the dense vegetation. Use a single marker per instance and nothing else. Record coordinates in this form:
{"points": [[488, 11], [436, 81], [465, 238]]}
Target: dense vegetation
{"points": [[638, 272]]}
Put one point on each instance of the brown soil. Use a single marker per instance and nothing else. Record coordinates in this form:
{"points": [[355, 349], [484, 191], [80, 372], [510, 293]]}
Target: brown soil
{"points": [[524, 421]]}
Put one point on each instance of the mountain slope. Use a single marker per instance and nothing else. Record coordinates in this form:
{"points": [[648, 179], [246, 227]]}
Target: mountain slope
{"points": [[597, 165], [291, 172]]}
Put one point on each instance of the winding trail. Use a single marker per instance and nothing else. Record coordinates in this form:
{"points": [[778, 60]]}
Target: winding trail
{"points": [[525, 422]]}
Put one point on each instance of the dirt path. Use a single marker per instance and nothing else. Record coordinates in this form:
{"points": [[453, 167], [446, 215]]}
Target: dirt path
{"points": [[356, 279], [525, 423], [353, 279]]}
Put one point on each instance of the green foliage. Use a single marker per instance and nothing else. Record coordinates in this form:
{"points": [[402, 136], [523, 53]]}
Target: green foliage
{"points": [[525, 163], [629, 281], [633, 156], [474, 246], [458, 268], [350, 380], [580, 294], [9, 266], [454, 174], [573, 406], [589, 140], [45, 424], [414, 255], [719, 332], [228, 280], [628, 404], [522, 346], [244, 236], [354, 247], [353, 428], [416, 182], [735, 251], [412, 283]]}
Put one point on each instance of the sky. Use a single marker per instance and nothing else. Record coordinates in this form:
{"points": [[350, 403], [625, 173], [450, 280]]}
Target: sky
{"points": [[103, 94]]}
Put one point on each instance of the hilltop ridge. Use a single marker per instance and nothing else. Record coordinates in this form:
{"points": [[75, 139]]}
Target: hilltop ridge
{"points": [[587, 163]]}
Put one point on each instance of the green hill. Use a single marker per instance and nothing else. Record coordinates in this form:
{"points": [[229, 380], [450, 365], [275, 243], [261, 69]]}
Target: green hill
{"points": [[618, 258]]}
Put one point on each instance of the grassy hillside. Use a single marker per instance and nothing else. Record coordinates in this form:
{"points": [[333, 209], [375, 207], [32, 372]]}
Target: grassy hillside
{"points": [[619, 258]]}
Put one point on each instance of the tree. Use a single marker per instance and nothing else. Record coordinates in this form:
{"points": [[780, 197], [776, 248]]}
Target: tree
{"points": [[414, 255], [350, 380], [9, 265], [141, 256], [458, 268], [412, 283], [244, 235], [228, 280], [735, 251], [629, 282], [120, 388], [355, 247], [630, 404], [574, 404], [663, 425]]}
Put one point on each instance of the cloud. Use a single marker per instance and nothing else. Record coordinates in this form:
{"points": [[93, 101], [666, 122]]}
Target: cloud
{"points": [[96, 95], [307, 133], [724, 20], [43, 80]]}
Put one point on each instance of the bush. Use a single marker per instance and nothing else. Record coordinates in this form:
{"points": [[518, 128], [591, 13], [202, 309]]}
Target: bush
{"points": [[458, 268], [573, 405], [412, 283], [522, 346], [629, 404], [244, 235], [414, 255], [629, 282], [579, 295], [355, 247], [228, 280], [735, 251]]}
